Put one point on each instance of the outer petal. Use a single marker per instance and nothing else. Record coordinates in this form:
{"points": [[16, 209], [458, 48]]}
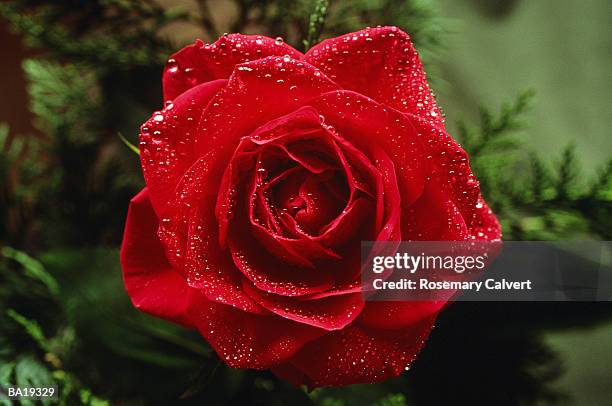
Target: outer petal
{"points": [[200, 63], [356, 354], [434, 217], [451, 171], [256, 93], [246, 340], [241, 339], [190, 234], [380, 63], [485, 225], [166, 142], [328, 313], [151, 283], [368, 125]]}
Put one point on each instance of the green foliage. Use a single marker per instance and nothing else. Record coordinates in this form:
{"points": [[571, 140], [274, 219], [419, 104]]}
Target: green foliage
{"points": [[128, 144], [90, 315], [28, 371], [21, 170], [31, 327], [103, 32], [301, 22], [113, 333], [76, 175], [315, 25], [64, 99], [419, 18], [32, 268], [356, 395], [601, 187], [397, 399], [493, 135], [567, 173], [535, 199], [28, 356]]}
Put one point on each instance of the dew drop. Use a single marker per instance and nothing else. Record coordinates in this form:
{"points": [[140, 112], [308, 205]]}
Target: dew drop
{"points": [[172, 65]]}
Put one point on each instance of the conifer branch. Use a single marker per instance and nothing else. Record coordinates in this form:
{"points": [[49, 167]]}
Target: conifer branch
{"points": [[316, 23]]}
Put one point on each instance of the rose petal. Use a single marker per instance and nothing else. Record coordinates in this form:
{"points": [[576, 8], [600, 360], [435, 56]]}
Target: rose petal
{"points": [[300, 252], [451, 170], [389, 203], [329, 313], [356, 216], [246, 340], [189, 231], [303, 122], [434, 217], [301, 128], [356, 354], [153, 286], [201, 63], [256, 93], [369, 125], [166, 142], [272, 274], [485, 225], [380, 63]]}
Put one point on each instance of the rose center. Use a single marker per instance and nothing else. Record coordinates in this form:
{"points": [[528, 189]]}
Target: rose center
{"points": [[313, 200]]}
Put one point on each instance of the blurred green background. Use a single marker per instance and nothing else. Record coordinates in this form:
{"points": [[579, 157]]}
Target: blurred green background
{"points": [[76, 73], [562, 49]]}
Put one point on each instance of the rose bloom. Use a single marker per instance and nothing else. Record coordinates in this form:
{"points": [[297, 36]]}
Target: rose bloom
{"points": [[264, 172]]}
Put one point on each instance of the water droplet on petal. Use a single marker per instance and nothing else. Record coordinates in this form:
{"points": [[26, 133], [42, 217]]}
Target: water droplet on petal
{"points": [[172, 65]]}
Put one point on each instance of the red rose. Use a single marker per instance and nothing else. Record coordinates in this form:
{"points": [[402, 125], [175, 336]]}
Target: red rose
{"points": [[265, 171]]}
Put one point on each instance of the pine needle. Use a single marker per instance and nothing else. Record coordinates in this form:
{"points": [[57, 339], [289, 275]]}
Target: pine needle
{"points": [[131, 146]]}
